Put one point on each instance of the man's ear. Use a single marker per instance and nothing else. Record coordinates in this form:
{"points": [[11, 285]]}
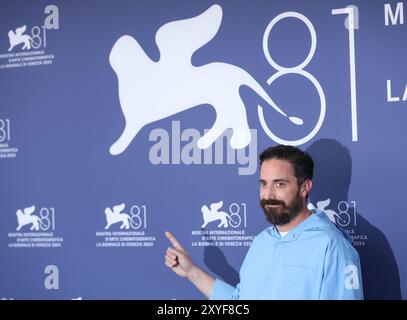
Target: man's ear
{"points": [[306, 187]]}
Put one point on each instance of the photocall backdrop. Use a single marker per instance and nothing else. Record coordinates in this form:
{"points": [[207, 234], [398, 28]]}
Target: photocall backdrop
{"points": [[120, 120]]}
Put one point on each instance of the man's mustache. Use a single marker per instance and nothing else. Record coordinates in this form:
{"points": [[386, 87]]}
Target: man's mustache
{"points": [[272, 202]]}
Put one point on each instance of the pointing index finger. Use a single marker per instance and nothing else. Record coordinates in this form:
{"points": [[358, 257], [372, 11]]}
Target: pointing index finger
{"points": [[174, 241]]}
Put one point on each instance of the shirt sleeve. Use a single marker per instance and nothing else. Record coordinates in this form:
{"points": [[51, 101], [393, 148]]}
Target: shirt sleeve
{"points": [[223, 291], [342, 278]]}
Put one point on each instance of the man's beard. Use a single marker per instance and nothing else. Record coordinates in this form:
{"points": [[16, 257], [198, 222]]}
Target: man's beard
{"points": [[285, 213]]}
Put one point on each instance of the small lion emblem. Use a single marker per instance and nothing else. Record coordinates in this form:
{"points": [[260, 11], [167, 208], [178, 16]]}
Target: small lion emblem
{"points": [[116, 215], [17, 37], [213, 214], [26, 216]]}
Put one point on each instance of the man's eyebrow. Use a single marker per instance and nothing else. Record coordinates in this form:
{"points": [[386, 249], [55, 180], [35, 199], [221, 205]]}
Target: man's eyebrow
{"points": [[275, 180]]}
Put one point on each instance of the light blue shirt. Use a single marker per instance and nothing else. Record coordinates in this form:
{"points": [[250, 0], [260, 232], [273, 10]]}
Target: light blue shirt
{"points": [[315, 260]]}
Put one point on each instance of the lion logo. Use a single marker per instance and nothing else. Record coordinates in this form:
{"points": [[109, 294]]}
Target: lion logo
{"points": [[153, 90], [213, 214], [17, 37], [116, 215], [337, 218], [25, 217]]}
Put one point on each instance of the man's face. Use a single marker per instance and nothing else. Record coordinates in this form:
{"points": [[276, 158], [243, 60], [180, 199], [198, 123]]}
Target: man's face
{"points": [[280, 195]]}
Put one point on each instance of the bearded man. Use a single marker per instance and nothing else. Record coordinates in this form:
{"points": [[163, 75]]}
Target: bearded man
{"points": [[301, 255]]}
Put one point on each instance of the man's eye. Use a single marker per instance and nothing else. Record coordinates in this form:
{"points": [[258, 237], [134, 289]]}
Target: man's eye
{"points": [[280, 184]]}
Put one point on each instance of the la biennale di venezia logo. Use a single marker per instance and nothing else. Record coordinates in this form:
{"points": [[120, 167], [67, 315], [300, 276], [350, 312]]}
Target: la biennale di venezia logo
{"points": [[150, 91], [28, 45]]}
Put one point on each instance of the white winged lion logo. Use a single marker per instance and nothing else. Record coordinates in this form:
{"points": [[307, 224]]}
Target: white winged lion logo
{"points": [[17, 37], [153, 90], [116, 215], [213, 214], [26, 216]]}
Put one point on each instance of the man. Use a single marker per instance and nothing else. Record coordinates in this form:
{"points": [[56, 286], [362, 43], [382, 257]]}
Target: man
{"points": [[302, 255]]}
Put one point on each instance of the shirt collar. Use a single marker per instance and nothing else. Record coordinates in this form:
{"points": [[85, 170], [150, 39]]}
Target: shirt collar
{"points": [[294, 233]]}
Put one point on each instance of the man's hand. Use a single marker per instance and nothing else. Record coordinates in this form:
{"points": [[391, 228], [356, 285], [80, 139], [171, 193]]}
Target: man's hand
{"points": [[177, 258], [179, 261]]}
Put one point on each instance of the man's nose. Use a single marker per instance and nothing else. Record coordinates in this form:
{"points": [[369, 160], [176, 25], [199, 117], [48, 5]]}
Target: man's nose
{"points": [[268, 193]]}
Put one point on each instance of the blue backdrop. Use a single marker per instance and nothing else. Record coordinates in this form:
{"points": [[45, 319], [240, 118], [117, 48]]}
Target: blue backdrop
{"points": [[83, 212]]}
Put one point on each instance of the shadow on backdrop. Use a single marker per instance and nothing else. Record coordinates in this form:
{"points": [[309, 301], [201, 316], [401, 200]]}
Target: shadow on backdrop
{"points": [[216, 261], [332, 177]]}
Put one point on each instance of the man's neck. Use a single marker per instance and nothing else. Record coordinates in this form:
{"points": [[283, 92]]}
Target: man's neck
{"points": [[303, 215]]}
